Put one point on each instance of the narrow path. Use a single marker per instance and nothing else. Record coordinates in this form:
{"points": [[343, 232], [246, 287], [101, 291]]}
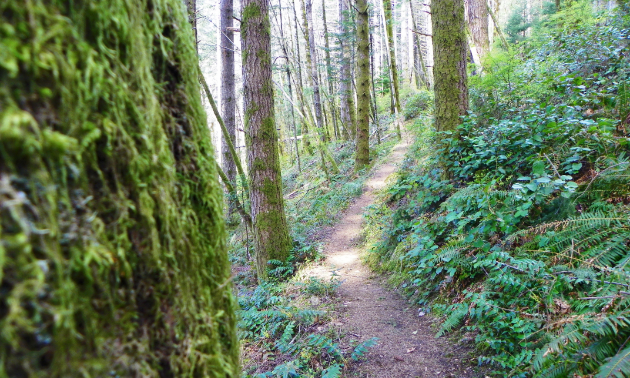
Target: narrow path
{"points": [[407, 347]]}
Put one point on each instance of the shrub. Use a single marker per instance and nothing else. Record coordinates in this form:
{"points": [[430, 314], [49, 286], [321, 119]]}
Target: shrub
{"points": [[418, 103]]}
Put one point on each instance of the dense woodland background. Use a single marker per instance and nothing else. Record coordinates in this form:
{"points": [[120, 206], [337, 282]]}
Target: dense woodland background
{"points": [[157, 207]]}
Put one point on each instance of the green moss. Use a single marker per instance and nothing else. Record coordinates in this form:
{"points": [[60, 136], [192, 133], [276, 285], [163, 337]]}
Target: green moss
{"points": [[112, 245], [268, 128], [251, 11], [259, 165]]}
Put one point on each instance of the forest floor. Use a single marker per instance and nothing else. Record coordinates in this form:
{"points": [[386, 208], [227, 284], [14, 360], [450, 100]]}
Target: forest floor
{"points": [[366, 307]]}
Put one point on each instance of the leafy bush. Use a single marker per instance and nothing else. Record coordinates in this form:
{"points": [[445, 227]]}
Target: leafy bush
{"points": [[418, 103], [525, 245]]}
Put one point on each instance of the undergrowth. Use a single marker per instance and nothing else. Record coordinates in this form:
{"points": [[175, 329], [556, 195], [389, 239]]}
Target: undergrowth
{"points": [[285, 324], [524, 244]]}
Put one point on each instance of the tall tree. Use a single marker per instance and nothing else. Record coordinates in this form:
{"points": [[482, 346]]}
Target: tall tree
{"points": [[114, 258], [348, 117], [263, 163], [362, 155], [287, 71], [418, 59], [387, 12], [300, 83], [329, 73], [477, 12], [311, 58], [450, 50], [228, 100]]}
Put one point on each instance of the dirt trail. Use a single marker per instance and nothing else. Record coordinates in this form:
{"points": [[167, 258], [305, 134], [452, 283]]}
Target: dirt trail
{"points": [[407, 347]]}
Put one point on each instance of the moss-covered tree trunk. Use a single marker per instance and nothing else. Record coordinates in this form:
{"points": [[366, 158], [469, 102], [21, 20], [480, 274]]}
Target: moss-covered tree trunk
{"points": [[449, 50], [330, 75], [270, 225], [228, 99], [387, 11], [112, 238], [348, 117], [362, 155]]}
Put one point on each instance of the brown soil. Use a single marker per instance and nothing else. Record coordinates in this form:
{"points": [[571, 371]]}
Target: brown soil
{"points": [[407, 347]]}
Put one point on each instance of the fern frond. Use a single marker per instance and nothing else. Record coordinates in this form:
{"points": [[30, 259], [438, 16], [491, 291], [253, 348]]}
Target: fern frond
{"points": [[333, 371], [323, 342], [457, 315], [616, 367], [585, 222], [362, 348], [452, 249]]}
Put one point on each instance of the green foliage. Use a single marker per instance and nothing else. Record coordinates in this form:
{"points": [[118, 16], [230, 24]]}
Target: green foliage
{"points": [[517, 25], [525, 246], [360, 350], [417, 103], [112, 242], [332, 372], [269, 318]]}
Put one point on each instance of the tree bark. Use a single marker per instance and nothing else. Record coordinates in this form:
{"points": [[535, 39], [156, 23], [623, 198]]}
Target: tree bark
{"points": [[477, 12], [348, 118], [300, 83], [373, 99], [387, 7], [267, 204], [450, 51], [288, 76], [420, 67], [497, 27], [228, 100], [311, 58], [362, 155], [329, 73], [114, 259]]}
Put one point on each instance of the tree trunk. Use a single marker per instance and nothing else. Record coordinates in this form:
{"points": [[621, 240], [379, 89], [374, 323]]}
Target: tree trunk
{"points": [[267, 204], [373, 102], [311, 58], [329, 73], [421, 69], [114, 259], [387, 11], [362, 155], [497, 27], [450, 50], [228, 100], [478, 26], [288, 76], [300, 83], [347, 96], [191, 8]]}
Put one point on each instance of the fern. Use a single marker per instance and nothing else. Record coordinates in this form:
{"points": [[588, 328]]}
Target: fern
{"points": [[458, 314], [616, 367], [334, 371], [323, 342], [360, 350], [287, 369]]}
